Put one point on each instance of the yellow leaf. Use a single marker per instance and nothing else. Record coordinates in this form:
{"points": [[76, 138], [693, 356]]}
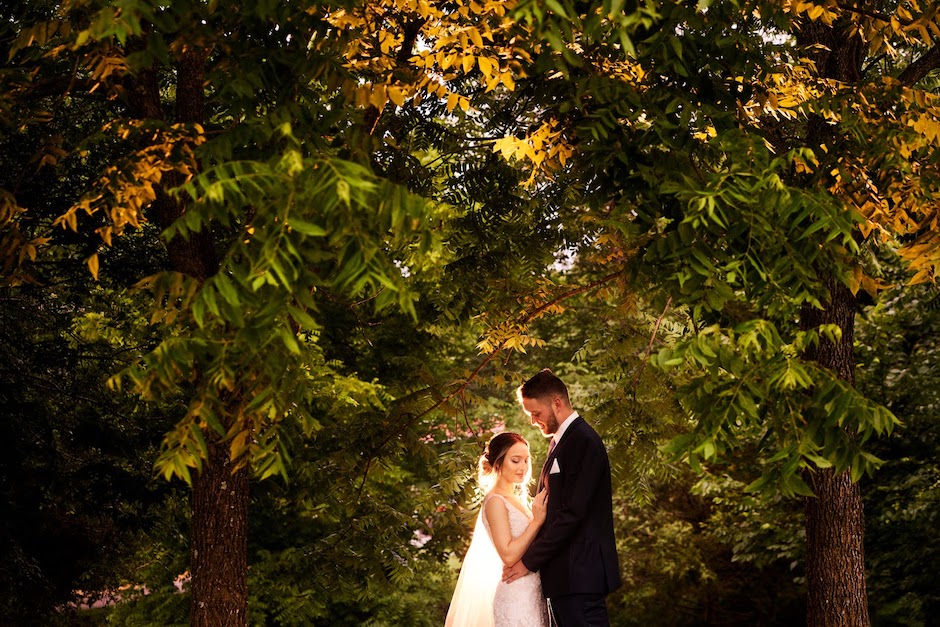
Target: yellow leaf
{"points": [[378, 97], [93, 265], [468, 62], [395, 95], [71, 220], [855, 280], [475, 37], [873, 286], [530, 153], [486, 66], [239, 445], [921, 277]]}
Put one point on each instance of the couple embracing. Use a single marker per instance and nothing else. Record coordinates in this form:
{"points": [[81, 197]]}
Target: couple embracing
{"points": [[552, 563]]}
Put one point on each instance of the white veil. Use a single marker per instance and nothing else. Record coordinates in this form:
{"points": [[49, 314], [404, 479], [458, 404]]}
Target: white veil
{"points": [[482, 570]]}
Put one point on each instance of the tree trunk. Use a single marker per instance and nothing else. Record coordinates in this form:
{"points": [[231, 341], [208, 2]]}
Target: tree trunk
{"points": [[835, 520], [219, 547], [835, 554]]}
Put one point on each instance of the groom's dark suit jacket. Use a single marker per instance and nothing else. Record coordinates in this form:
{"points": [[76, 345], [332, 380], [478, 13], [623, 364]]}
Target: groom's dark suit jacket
{"points": [[575, 551]]}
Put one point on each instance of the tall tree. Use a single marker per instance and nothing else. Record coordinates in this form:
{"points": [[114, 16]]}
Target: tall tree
{"points": [[238, 142], [231, 127], [677, 146], [742, 156]]}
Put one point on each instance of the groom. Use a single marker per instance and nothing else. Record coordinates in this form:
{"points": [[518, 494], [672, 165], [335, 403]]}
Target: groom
{"points": [[574, 551]]}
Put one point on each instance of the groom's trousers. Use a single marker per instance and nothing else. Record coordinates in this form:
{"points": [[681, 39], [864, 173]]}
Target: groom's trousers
{"points": [[579, 610]]}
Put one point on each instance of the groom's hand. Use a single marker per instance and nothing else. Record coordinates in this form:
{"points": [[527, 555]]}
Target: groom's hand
{"points": [[511, 573]]}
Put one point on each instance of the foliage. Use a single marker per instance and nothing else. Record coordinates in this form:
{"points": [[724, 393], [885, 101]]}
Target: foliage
{"points": [[713, 556], [79, 498], [609, 182], [78, 495], [735, 156], [897, 348], [277, 175], [716, 195]]}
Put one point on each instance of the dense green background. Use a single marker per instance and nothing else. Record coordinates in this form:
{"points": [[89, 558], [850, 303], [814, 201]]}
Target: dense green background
{"points": [[430, 249]]}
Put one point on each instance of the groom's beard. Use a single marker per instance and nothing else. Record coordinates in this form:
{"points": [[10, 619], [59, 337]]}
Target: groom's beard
{"points": [[551, 425]]}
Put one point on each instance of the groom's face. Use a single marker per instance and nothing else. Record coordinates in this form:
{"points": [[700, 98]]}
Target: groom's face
{"points": [[542, 415]]}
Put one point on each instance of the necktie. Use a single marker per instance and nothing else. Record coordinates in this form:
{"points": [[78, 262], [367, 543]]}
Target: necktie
{"points": [[544, 473]]}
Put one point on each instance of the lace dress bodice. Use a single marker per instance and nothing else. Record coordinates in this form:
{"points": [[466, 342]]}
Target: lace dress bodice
{"points": [[520, 603]]}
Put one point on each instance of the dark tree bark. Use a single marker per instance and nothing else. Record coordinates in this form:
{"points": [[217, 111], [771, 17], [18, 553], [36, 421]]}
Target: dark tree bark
{"points": [[219, 542], [834, 517], [219, 547], [835, 521]]}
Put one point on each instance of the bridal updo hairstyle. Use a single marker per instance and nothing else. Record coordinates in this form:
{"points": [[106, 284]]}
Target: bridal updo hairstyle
{"points": [[492, 460]]}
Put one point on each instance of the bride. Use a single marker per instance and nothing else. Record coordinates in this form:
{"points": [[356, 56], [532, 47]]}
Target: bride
{"points": [[504, 530]]}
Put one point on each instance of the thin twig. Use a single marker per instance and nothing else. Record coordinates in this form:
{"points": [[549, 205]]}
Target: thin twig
{"points": [[466, 418], [528, 318], [875, 15], [580, 290], [476, 371], [649, 348]]}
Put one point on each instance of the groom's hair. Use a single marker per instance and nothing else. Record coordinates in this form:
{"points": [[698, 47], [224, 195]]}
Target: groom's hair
{"points": [[544, 386]]}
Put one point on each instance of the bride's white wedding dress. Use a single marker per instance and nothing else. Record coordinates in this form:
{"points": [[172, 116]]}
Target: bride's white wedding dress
{"points": [[481, 599], [520, 603]]}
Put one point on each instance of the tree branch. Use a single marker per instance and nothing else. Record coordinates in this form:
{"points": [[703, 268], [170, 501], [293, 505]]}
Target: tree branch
{"points": [[525, 319], [649, 349], [58, 86], [532, 315], [917, 70], [875, 15], [489, 358]]}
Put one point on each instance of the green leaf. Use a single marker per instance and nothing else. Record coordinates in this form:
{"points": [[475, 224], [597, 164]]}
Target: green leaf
{"points": [[557, 8], [303, 318], [819, 461], [226, 288], [307, 228], [794, 484], [289, 339]]}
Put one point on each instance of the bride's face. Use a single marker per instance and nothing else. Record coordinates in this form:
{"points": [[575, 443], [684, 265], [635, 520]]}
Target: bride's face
{"points": [[516, 463]]}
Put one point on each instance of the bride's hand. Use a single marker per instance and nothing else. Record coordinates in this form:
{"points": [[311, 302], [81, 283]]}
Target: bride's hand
{"points": [[539, 505]]}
